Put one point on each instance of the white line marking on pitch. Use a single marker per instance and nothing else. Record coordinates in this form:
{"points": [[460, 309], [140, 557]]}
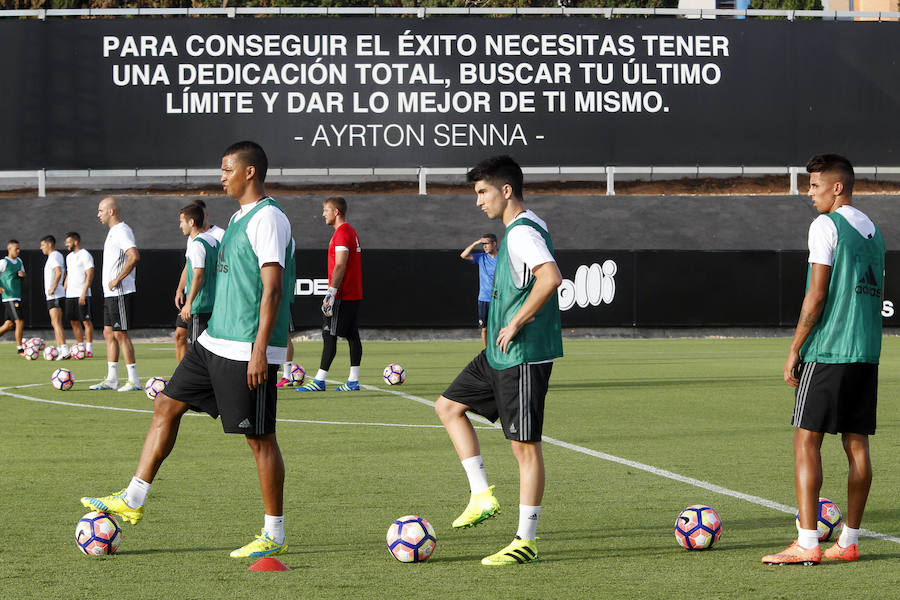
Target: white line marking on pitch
{"points": [[549, 440]]}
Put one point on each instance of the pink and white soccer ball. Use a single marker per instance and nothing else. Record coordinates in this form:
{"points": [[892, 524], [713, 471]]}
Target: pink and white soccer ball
{"points": [[298, 374], [697, 527], [828, 521], [78, 351], [411, 539], [154, 386], [31, 353], [62, 379], [97, 534], [394, 374], [50, 353], [35, 342]]}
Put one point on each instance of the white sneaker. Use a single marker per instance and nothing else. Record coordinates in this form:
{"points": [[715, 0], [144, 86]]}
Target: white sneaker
{"points": [[130, 387], [105, 385]]}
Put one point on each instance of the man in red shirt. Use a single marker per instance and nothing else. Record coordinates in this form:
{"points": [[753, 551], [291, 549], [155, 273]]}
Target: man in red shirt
{"points": [[341, 303]]}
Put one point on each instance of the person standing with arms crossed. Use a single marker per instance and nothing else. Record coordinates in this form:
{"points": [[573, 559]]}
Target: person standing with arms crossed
{"points": [[834, 355], [54, 276], [12, 272], [231, 370], [79, 276], [120, 256], [510, 378], [341, 304], [487, 263]]}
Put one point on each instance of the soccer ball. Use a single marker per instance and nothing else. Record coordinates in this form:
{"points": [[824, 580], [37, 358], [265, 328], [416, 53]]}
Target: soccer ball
{"points": [[698, 527], [154, 386], [31, 352], [298, 374], [97, 534], [36, 342], [62, 379], [829, 519], [50, 353], [411, 539], [78, 351], [394, 374]]}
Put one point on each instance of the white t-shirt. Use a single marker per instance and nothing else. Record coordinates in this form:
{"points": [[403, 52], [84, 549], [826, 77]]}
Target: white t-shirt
{"points": [[216, 231], [4, 262], [77, 265], [196, 251], [54, 260], [527, 249], [823, 233], [269, 232], [119, 239]]}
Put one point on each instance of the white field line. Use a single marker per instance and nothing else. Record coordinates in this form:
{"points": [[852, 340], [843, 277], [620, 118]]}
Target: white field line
{"points": [[548, 440]]}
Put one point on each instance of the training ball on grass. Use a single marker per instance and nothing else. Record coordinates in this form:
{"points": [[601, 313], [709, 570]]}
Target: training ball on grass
{"points": [[97, 534], [828, 521], [411, 539], [78, 351], [154, 386], [298, 374], [394, 374], [698, 527], [31, 353], [62, 379], [50, 353], [35, 342]]}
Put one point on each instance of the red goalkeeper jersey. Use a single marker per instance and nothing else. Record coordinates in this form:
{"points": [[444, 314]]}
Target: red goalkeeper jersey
{"points": [[345, 238]]}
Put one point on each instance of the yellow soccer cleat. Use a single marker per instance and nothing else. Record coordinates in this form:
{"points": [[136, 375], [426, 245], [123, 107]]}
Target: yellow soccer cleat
{"points": [[518, 552], [115, 504], [482, 505], [263, 545]]}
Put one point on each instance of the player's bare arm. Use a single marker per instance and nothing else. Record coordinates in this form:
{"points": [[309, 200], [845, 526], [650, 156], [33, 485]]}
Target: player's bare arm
{"points": [[341, 258], [132, 256], [88, 280], [467, 253], [196, 286], [57, 273], [546, 279], [179, 291], [810, 311], [271, 275]]}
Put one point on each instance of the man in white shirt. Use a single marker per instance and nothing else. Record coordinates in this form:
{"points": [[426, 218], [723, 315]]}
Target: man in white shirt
{"points": [[79, 276], [54, 275], [120, 256], [181, 326]]}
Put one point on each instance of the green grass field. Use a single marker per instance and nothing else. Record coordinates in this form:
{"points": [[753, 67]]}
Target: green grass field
{"points": [[715, 410]]}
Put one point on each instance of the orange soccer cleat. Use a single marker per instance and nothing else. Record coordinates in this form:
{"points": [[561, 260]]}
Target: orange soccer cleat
{"points": [[795, 554]]}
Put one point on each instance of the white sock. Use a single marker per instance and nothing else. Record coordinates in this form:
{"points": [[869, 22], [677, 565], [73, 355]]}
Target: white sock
{"points": [[63, 350], [321, 375], [136, 492], [528, 520], [89, 346], [132, 373], [112, 372], [849, 536], [354, 374], [474, 467], [274, 526], [808, 538], [287, 370]]}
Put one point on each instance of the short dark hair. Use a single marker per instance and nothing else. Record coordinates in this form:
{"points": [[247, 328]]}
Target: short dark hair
{"points": [[193, 212], [49, 238], [834, 164], [74, 235], [13, 242], [252, 155], [498, 171], [491, 237], [199, 203], [339, 203]]}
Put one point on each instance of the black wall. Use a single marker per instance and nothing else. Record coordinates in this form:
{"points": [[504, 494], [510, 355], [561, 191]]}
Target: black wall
{"points": [[435, 288]]}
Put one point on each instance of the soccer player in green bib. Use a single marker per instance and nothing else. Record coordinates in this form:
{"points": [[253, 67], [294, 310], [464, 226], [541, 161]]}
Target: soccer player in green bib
{"points": [[231, 371], [833, 359], [509, 379]]}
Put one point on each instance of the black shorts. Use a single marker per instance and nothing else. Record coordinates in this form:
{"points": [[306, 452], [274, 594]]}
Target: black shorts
{"points": [[515, 395], [343, 319], [13, 310], [218, 386], [117, 311], [836, 398], [55, 303], [195, 326], [483, 313], [76, 311]]}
